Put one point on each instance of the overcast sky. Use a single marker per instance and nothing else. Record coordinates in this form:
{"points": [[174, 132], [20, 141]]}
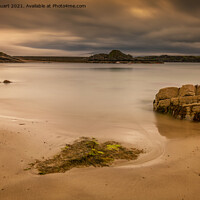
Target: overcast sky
{"points": [[138, 27]]}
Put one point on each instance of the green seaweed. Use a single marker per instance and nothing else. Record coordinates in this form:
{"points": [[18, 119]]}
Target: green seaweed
{"points": [[85, 152], [113, 147]]}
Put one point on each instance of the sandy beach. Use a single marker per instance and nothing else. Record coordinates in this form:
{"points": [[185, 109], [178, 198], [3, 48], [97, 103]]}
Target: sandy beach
{"points": [[174, 175]]}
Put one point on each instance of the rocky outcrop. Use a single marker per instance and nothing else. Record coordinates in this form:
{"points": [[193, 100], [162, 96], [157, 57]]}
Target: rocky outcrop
{"points": [[182, 103], [6, 82], [4, 58]]}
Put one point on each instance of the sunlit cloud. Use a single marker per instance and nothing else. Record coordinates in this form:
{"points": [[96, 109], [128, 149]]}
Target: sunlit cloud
{"points": [[142, 13]]}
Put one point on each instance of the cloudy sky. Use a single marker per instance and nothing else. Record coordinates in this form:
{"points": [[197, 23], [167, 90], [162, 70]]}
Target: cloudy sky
{"points": [[138, 27]]}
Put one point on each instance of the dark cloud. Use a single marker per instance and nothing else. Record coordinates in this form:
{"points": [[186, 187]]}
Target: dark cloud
{"points": [[191, 7], [135, 26]]}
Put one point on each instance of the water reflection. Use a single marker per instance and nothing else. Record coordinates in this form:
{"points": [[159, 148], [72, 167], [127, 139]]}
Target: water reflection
{"points": [[175, 128]]}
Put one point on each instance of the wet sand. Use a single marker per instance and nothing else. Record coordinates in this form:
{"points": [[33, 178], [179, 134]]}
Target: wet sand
{"points": [[172, 175]]}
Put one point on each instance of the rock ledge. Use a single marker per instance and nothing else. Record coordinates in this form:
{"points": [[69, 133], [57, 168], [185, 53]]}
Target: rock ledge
{"points": [[181, 103]]}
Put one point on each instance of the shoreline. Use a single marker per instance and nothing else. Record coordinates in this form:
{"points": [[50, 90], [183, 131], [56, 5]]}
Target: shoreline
{"points": [[24, 143]]}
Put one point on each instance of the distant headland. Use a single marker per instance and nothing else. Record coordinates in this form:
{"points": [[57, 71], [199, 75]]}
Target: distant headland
{"points": [[4, 58], [115, 56]]}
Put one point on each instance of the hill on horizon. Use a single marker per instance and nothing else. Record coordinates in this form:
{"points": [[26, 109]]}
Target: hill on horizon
{"points": [[114, 55], [4, 58]]}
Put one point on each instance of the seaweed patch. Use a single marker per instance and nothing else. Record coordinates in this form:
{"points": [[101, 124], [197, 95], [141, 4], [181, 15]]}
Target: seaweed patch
{"points": [[85, 152]]}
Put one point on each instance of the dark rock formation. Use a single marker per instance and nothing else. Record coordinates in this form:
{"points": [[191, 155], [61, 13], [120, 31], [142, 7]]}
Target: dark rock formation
{"points": [[6, 82], [4, 58], [182, 103], [113, 56]]}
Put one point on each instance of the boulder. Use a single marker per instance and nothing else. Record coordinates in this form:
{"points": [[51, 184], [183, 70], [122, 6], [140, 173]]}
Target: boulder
{"points": [[187, 90], [167, 93], [7, 81]]}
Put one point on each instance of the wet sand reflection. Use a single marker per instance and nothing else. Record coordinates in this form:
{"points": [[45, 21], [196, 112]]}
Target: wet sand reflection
{"points": [[175, 128]]}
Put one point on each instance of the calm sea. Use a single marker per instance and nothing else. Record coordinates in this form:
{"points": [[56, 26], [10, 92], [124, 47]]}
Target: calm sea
{"points": [[101, 100]]}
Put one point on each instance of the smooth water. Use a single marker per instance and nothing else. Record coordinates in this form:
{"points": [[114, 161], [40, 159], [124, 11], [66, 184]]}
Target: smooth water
{"points": [[103, 100]]}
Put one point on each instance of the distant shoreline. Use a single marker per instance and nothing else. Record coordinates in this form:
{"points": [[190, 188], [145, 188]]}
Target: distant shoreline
{"points": [[114, 57], [137, 60], [76, 60]]}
